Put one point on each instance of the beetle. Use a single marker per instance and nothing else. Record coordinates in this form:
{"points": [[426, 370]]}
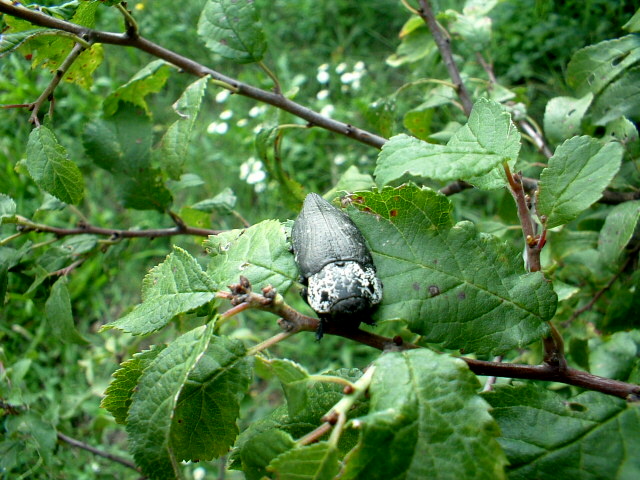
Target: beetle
{"points": [[335, 264]]}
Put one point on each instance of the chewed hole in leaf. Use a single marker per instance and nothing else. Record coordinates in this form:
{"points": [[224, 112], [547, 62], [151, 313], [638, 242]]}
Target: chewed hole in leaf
{"points": [[576, 407]]}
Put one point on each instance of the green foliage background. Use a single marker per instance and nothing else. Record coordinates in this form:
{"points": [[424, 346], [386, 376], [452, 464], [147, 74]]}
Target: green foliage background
{"points": [[344, 59]]}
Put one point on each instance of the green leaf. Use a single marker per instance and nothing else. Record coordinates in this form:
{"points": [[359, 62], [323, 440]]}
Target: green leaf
{"points": [[51, 53], [154, 403], [117, 396], [319, 461], [7, 209], [232, 29], [593, 67], [259, 444], [575, 178], [50, 167], [450, 283], [150, 79], [175, 141], [57, 309], [620, 98], [563, 117], [617, 230], [204, 421], [488, 139], [417, 43], [473, 26], [633, 25], [260, 253], [225, 201], [12, 41], [425, 421], [176, 286], [122, 146], [545, 436], [614, 356]]}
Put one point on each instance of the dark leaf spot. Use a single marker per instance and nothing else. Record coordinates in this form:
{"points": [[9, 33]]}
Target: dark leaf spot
{"points": [[434, 290], [416, 286], [393, 213], [462, 296]]}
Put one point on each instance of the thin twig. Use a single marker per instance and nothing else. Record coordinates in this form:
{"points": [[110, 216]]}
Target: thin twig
{"points": [[109, 456], [25, 225], [599, 293], [443, 42], [47, 94], [528, 229]]}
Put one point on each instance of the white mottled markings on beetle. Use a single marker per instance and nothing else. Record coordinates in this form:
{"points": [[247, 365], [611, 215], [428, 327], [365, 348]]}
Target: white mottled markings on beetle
{"points": [[339, 281]]}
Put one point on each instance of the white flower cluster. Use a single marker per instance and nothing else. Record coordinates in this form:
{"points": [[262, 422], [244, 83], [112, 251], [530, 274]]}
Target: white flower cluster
{"points": [[252, 172]]}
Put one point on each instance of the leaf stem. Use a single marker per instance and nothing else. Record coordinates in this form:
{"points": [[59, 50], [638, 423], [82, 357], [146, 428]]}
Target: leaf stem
{"points": [[443, 42], [276, 83]]}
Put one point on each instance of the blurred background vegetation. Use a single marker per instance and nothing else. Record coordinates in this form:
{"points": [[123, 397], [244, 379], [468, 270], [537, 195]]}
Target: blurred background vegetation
{"points": [[330, 56]]}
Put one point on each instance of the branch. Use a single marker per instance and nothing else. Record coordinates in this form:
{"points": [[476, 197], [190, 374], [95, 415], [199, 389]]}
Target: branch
{"points": [[25, 225], [95, 451], [293, 321], [47, 94], [190, 66], [443, 41]]}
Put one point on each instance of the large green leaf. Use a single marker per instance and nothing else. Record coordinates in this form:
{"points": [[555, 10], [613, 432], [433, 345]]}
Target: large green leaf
{"points": [[260, 253], [484, 143], [319, 461], [563, 116], [203, 425], [150, 79], [617, 230], [591, 436], [593, 67], [450, 283], [50, 166], [176, 286], [175, 141], [154, 403], [425, 421], [621, 98], [232, 28], [577, 174], [11, 41], [117, 396], [121, 145], [59, 315]]}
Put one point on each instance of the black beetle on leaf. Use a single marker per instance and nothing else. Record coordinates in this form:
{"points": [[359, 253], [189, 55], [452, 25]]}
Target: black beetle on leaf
{"points": [[335, 264]]}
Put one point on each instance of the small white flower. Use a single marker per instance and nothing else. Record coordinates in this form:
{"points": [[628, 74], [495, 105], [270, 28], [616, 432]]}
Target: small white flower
{"points": [[252, 171], [324, 67], [257, 110], [348, 77], [322, 94], [341, 68], [199, 473], [327, 110], [323, 76], [226, 115], [242, 122], [339, 159], [359, 67], [222, 95], [219, 128]]}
